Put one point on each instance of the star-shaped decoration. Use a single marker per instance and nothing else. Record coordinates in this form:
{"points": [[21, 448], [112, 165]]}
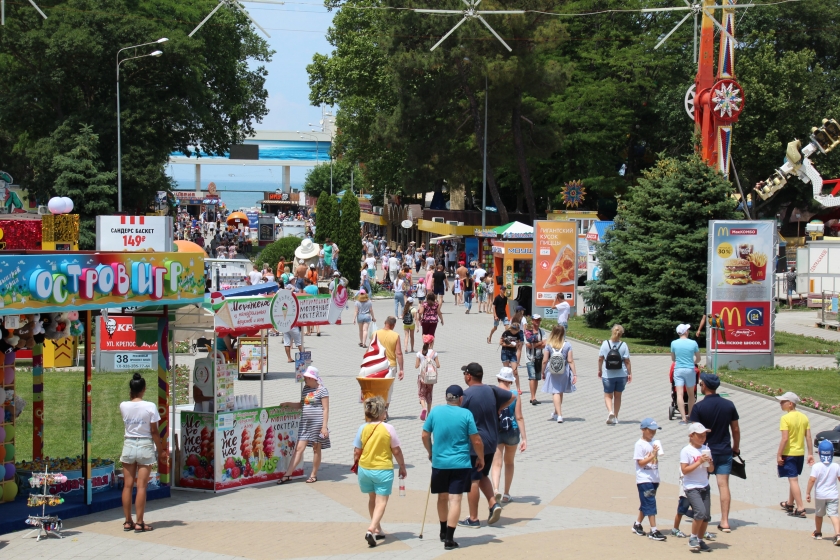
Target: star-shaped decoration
{"points": [[727, 99], [573, 194]]}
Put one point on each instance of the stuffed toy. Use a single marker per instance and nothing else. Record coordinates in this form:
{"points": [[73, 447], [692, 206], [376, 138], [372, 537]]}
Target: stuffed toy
{"points": [[8, 340], [58, 326], [26, 334], [75, 323], [38, 331]]}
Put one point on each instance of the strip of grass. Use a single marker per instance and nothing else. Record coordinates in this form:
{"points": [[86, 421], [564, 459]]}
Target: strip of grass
{"points": [[785, 343], [63, 402], [818, 388]]}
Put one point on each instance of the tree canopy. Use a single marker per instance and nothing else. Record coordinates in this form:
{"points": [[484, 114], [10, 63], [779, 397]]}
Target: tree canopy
{"points": [[205, 92]]}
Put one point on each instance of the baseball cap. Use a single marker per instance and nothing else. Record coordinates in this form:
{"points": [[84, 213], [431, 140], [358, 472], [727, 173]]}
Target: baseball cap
{"points": [[454, 392], [536, 317], [362, 291], [506, 374], [789, 396], [428, 338], [710, 380], [826, 450], [697, 428], [312, 266], [411, 299], [336, 273], [682, 329], [649, 424], [515, 325], [473, 368], [503, 287]]}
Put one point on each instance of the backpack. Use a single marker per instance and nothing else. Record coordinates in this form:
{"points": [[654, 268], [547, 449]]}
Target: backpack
{"points": [[557, 361], [506, 418], [429, 375], [614, 359], [407, 318], [430, 313]]}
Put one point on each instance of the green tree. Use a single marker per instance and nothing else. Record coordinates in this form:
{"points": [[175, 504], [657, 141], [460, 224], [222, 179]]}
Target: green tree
{"points": [[348, 239], [206, 91], [326, 218], [283, 247], [656, 259], [79, 176], [344, 174]]}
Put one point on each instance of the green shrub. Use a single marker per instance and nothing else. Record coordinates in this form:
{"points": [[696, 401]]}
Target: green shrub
{"points": [[284, 247]]}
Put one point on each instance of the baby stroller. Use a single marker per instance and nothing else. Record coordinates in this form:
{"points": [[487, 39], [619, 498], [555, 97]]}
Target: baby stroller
{"points": [[673, 411]]}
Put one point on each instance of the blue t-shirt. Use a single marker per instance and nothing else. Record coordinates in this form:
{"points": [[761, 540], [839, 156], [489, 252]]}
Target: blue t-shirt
{"points": [[484, 402], [684, 349], [451, 428]]}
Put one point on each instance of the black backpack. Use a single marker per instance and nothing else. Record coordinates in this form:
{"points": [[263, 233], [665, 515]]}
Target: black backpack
{"points": [[407, 317], [614, 359]]}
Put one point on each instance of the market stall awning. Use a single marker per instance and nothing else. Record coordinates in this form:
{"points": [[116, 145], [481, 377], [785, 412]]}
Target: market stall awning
{"points": [[515, 230], [375, 219], [443, 238]]}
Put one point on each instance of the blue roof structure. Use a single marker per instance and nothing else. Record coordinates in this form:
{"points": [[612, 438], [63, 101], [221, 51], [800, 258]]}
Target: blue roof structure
{"points": [[602, 226]]}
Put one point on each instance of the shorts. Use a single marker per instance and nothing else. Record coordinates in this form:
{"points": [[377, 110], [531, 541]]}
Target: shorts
{"points": [[723, 463], [138, 450], [825, 507], [614, 384], [685, 377], [790, 292], [564, 324], [684, 507], [482, 297], [647, 497], [534, 370], [292, 338], [377, 481], [476, 474], [700, 500], [506, 322], [363, 318], [450, 481], [510, 437], [509, 355], [408, 327], [439, 292], [792, 467]]}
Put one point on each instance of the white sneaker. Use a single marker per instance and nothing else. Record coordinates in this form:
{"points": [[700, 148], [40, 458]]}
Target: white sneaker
{"points": [[559, 419], [553, 417], [615, 421], [610, 419]]}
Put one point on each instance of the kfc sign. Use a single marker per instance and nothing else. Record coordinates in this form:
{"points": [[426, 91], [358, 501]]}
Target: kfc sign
{"points": [[118, 334]]}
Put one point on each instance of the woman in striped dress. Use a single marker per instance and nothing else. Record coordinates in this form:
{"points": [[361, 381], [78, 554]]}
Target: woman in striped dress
{"points": [[313, 431]]}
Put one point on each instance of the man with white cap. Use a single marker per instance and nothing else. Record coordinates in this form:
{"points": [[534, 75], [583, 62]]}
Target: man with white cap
{"points": [[795, 440], [685, 354], [696, 464]]}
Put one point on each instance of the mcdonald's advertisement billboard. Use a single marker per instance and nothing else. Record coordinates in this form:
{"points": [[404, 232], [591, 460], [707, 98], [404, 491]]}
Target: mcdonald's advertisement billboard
{"points": [[740, 284]]}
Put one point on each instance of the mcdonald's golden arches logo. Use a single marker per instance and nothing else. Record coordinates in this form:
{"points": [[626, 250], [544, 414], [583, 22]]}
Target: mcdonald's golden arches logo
{"points": [[730, 312], [722, 230]]}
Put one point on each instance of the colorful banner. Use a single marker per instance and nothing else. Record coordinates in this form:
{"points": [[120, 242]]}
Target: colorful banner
{"points": [[197, 450], [555, 262], [82, 281], [740, 290], [118, 334], [245, 314]]}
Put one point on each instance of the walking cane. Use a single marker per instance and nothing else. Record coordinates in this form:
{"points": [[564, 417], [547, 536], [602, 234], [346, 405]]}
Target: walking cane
{"points": [[429, 493]]}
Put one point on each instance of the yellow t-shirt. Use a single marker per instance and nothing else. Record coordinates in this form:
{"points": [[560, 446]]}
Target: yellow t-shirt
{"points": [[796, 425], [389, 340], [376, 439]]}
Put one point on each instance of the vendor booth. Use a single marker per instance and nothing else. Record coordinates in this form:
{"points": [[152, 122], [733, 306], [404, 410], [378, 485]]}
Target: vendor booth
{"points": [[513, 266], [229, 440], [52, 296]]}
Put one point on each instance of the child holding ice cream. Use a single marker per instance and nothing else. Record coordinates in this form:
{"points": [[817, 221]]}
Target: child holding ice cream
{"points": [[696, 464], [646, 457]]}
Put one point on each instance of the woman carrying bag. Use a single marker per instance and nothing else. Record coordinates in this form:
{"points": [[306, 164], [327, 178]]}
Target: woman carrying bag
{"points": [[560, 373]]}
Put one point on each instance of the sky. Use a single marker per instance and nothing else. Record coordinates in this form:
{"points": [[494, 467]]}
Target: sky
{"points": [[298, 31]]}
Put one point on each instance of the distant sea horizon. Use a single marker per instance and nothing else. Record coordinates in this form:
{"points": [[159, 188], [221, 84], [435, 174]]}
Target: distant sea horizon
{"points": [[239, 194]]}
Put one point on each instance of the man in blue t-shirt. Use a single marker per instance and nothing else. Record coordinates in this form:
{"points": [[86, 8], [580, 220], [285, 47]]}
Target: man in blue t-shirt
{"points": [[447, 434], [485, 402], [721, 417]]}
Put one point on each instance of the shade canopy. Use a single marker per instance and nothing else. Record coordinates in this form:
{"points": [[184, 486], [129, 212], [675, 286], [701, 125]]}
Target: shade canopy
{"points": [[515, 230], [189, 247], [237, 218]]}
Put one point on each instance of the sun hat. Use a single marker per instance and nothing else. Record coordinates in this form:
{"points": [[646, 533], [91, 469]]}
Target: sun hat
{"points": [[826, 450], [649, 424], [682, 329], [506, 374], [698, 428], [312, 372], [790, 396], [307, 249], [428, 339]]}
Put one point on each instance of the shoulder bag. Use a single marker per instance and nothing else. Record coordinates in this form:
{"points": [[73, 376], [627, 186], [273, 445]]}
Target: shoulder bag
{"points": [[739, 466], [355, 468]]}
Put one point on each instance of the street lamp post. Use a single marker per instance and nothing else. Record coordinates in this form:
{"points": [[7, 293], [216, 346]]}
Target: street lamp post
{"points": [[119, 139], [484, 173], [302, 134]]}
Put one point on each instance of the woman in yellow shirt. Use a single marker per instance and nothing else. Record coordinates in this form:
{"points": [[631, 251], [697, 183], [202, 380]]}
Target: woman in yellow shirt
{"points": [[376, 445]]}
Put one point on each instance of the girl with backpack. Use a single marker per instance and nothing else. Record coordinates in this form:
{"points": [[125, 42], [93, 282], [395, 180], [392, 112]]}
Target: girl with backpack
{"points": [[511, 436], [614, 371], [560, 373], [429, 364], [430, 315], [409, 320]]}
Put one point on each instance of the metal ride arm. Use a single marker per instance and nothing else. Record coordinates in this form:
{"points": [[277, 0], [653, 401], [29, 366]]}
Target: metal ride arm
{"points": [[797, 163]]}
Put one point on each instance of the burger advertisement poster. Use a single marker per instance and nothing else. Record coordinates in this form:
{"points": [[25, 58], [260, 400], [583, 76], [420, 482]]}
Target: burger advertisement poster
{"points": [[740, 290]]}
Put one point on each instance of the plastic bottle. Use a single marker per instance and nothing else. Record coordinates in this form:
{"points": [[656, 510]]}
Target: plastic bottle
{"points": [[402, 487]]}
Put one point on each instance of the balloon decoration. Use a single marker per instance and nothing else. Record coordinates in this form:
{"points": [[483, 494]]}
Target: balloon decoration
{"points": [[10, 490], [10, 471], [10, 434], [60, 205], [2, 434], [2, 453], [20, 234], [10, 452], [9, 376]]}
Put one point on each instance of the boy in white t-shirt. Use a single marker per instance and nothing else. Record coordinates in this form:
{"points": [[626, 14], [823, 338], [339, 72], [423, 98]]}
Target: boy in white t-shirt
{"points": [[824, 475], [696, 464], [646, 457]]}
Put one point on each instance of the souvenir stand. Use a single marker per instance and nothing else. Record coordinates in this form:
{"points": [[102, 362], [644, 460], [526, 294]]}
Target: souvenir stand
{"points": [[45, 293], [231, 440], [513, 266]]}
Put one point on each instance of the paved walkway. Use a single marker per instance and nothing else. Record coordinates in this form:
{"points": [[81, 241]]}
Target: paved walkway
{"points": [[804, 322], [573, 491]]}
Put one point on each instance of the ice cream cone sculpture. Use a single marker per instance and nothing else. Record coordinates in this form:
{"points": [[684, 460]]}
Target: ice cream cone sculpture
{"points": [[375, 387], [375, 362]]}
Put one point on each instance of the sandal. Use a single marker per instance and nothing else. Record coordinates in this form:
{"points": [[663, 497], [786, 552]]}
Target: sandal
{"points": [[128, 526], [142, 528], [800, 513], [724, 529], [312, 479], [284, 480], [506, 499], [786, 506]]}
